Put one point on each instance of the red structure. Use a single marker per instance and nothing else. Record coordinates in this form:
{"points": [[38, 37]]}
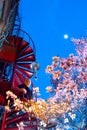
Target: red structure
{"points": [[16, 57]]}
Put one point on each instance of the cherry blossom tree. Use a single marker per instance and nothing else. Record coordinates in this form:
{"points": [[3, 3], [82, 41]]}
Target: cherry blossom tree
{"points": [[69, 83]]}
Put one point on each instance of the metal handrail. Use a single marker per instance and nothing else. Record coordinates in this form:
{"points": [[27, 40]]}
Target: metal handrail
{"points": [[26, 37]]}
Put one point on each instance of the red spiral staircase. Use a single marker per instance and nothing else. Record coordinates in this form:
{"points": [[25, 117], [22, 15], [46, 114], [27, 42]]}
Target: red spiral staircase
{"points": [[16, 57]]}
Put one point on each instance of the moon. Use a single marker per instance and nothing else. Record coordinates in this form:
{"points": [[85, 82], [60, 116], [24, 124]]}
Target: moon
{"points": [[66, 36]]}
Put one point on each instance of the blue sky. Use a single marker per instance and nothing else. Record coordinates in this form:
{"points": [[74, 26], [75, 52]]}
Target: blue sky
{"points": [[47, 21]]}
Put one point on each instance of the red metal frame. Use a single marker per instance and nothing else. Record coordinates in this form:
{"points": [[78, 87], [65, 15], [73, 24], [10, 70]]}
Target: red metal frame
{"points": [[23, 117]]}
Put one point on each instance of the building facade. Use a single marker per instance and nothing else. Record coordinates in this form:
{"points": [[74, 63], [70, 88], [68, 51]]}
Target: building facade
{"points": [[8, 12]]}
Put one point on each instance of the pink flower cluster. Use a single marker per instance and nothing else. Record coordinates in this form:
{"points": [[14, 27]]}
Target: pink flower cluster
{"points": [[70, 75]]}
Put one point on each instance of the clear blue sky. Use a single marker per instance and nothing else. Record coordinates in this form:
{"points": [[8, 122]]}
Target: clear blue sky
{"points": [[47, 21]]}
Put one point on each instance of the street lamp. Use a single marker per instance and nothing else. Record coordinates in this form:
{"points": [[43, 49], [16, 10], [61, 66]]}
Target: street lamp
{"points": [[35, 67]]}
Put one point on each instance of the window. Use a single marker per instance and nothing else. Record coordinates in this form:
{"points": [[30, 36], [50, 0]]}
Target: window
{"points": [[6, 70]]}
